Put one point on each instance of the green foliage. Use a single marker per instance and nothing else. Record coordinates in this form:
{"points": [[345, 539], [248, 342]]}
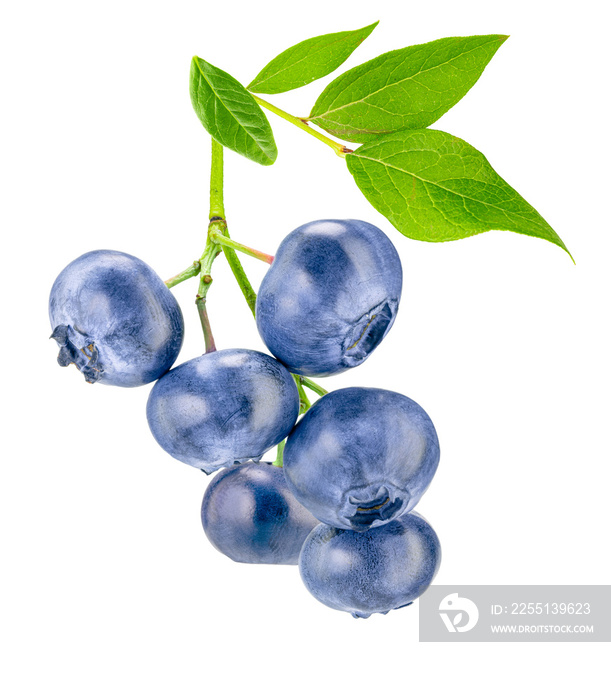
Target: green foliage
{"points": [[405, 89], [308, 61], [430, 185], [230, 114], [433, 186]]}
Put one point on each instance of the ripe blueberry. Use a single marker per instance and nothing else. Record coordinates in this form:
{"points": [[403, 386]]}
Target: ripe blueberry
{"points": [[330, 296], [361, 457], [114, 318], [368, 572], [223, 408], [250, 515]]}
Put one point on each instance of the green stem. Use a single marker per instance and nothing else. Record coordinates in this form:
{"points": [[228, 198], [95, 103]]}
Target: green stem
{"points": [[212, 249], [191, 271], [302, 124], [218, 225], [226, 242], [241, 278], [217, 212], [217, 205], [306, 381], [278, 462], [304, 402]]}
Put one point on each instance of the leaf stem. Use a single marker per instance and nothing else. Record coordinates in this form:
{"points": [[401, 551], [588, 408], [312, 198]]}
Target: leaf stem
{"points": [[306, 381], [227, 242], [339, 149]]}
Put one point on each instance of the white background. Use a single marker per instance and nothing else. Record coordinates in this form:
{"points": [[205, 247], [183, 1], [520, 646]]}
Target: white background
{"points": [[110, 589]]}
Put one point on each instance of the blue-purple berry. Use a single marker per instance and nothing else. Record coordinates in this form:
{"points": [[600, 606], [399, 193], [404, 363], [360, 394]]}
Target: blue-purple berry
{"points": [[330, 296], [250, 515], [114, 318], [371, 572], [223, 408], [361, 457]]}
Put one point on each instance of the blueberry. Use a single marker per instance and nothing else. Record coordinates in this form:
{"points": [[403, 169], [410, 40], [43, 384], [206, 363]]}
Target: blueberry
{"points": [[361, 457], [250, 515], [114, 318], [330, 296], [368, 572], [223, 408]]}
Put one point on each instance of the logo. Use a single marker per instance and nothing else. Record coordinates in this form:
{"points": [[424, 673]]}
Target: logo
{"points": [[452, 606]]}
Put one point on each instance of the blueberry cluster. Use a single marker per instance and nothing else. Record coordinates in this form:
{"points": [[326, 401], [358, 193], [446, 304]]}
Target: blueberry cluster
{"points": [[355, 464]]}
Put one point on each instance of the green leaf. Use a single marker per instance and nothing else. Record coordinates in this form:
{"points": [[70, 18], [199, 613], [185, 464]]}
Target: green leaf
{"points": [[405, 89], [308, 61], [229, 113], [433, 186]]}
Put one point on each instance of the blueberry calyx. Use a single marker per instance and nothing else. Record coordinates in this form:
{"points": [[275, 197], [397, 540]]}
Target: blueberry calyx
{"points": [[77, 349], [368, 331], [376, 502]]}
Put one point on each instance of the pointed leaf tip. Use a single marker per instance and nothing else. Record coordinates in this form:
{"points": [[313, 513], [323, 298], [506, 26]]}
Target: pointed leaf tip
{"points": [[433, 186], [308, 61]]}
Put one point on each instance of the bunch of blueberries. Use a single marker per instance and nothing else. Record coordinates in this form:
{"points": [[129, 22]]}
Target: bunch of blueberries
{"points": [[355, 464]]}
